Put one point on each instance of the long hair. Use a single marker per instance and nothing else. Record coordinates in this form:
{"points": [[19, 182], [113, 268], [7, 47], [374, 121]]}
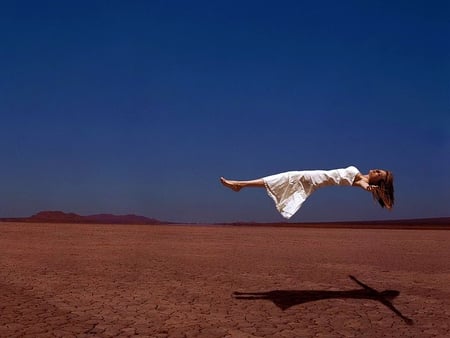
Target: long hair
{"points": [[384, 194]]}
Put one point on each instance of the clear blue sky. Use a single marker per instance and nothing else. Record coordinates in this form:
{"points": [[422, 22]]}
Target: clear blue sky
{"points": [[140, 106]]}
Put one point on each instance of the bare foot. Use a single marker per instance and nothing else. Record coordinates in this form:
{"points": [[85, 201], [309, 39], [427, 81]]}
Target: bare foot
{"points": [[233, 185]]}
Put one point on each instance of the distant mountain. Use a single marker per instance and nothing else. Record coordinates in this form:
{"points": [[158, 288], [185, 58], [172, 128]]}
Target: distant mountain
{"points": [[415, 223], [63, 217], [55, 216]]}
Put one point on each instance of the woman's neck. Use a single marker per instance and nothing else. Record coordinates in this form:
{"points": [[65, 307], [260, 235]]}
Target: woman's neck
{"points": [[361, 177]]}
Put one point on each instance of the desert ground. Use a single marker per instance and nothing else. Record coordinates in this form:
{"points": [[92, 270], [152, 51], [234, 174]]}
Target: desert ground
{"points": [[80, 280]]}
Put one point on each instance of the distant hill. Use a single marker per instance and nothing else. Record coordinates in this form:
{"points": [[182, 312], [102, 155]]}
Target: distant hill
{"points": [[63, 217], [414, 223]]}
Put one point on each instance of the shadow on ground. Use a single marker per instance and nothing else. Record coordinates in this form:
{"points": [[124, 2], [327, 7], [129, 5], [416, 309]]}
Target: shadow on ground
{"points": [[285, 299]]}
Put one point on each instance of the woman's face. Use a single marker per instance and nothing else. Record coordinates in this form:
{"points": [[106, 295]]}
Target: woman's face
{"points": [[376, 175]]}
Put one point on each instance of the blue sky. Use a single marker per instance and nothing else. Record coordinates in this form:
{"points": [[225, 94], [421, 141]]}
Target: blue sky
{"points": [[140, 106]]}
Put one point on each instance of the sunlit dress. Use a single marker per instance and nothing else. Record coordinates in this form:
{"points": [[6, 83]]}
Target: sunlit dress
{"points": [[290, 189]]}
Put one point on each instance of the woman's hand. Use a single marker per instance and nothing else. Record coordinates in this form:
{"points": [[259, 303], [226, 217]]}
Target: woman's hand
{"points": [[365, 186]]}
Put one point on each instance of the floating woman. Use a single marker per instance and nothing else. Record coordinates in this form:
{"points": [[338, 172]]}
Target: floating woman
{"points": [[290, 189]]}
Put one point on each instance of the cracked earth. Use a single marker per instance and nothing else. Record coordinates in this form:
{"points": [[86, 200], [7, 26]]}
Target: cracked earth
{"points": [[60, 280]]}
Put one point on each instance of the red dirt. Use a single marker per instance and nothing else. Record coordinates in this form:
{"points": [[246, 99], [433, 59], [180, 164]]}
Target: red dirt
{"points": [[69, 280]]}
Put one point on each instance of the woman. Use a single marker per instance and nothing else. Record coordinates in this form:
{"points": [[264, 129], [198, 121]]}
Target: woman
{"points": [[290, 189]]}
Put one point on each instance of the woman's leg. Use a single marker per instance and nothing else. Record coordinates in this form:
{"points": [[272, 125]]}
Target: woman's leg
{"points": [[238, 185]]}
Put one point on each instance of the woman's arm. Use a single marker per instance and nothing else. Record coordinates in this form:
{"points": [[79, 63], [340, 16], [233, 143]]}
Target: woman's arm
{"points": [[364, 185]]}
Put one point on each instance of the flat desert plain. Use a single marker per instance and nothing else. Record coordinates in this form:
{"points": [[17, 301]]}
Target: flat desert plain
{"points": [[80, 280]]}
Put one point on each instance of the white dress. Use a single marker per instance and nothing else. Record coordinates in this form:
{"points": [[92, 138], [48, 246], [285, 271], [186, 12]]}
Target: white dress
{"points": [[290, 189]]}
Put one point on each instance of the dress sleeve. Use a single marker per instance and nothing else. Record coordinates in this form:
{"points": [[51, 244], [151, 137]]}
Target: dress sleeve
{"points": [[349, 174]]}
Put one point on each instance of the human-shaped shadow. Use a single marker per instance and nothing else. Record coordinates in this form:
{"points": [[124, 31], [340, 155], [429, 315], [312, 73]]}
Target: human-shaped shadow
{"points": [[285, 299]]}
